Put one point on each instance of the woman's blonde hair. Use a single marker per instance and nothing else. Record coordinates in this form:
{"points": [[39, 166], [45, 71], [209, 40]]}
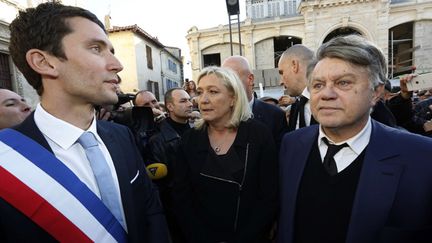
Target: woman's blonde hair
{"points": [[241, 110]]}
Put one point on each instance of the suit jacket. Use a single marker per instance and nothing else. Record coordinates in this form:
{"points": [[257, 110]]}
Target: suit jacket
{"points": [[273, 117], [143, 212], [393, 200]]}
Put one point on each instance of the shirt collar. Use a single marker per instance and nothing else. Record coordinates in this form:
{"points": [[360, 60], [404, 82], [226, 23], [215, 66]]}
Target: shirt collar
{"points": [[306, 93], [251, 102], [60, 132], [357, 143]]}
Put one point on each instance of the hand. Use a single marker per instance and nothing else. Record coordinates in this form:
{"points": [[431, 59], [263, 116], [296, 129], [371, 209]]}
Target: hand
{"points": [[158, 114], [404, 88], [286, 100], [427, 126], [103, 114]]}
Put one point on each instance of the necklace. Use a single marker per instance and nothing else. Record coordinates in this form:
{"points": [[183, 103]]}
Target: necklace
{"points": [[217, 149]]}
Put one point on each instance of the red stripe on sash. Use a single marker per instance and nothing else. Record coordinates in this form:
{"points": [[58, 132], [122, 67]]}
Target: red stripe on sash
{"points": [[38, 209]]}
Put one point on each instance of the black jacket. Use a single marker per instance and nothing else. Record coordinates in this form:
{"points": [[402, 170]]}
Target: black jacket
{"points": [[210, 205], [162, 148], [273, 117]]}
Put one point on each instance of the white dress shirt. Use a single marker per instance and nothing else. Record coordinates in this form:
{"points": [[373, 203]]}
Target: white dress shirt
{"points": [[62, 138], [348, 154]]}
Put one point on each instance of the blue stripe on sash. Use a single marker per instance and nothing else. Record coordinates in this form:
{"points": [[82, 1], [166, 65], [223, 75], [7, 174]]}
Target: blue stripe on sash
{"points": [[47, 162]]}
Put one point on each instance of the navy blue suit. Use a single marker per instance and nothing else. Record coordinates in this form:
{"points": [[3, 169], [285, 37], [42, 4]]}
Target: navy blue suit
{"points": [[144, 216], [393, 200], [273, 117]]}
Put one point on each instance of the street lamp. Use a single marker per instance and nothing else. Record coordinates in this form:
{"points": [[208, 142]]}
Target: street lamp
{"points": [[234, 10]]}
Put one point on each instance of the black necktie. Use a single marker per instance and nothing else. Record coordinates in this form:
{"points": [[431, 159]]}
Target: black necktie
{"points": [[329, 162], [301, 111]]}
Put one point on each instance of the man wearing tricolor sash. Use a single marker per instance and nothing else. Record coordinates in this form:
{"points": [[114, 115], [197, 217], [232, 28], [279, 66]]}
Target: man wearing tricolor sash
{"points": [[64, 176]]}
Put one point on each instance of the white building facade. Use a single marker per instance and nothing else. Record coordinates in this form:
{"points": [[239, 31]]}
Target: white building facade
{"points": [[401, 28]]}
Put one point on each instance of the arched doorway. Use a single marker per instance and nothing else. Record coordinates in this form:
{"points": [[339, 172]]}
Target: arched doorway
{"points": [[341, 32], [281, 43]]}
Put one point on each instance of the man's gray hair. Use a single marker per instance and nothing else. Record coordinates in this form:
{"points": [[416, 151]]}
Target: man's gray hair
{"points": [[358, 51]]}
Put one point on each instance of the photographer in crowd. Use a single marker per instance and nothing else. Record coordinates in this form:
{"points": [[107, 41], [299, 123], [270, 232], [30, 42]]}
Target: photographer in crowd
{"points": [[145, 98], [415, 120]]}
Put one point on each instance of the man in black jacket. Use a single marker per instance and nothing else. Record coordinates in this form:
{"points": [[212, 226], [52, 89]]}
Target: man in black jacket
{"points": [[164, 144], [273, 117]]}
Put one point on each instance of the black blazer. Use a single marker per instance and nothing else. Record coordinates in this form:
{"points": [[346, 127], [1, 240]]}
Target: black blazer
{"points": [[273, 117], [210, 206], [143, 212]]}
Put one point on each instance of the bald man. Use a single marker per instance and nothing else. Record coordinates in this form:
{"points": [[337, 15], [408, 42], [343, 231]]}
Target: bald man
{"points": [[293, 68], [13, 109], [270, 115], [145, 98]]}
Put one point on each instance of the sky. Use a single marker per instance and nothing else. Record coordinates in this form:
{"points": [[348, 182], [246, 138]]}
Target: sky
{"points": [[168, 20]]}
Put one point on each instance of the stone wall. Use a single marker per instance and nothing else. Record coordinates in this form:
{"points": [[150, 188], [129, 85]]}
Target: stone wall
{"points": [[422, 38]]}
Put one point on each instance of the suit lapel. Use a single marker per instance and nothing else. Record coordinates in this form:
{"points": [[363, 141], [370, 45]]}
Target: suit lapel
{"points": [[292, 174], [376, 188], [256, 109]]}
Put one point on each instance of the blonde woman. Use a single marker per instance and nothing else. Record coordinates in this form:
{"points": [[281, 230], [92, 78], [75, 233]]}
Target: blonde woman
{"points": [[225, 186]]}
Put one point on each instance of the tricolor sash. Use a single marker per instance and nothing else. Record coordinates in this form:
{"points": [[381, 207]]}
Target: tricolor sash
{"points": [[39, 185]]}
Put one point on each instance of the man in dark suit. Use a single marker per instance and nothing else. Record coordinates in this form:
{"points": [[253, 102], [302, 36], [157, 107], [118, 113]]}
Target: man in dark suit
{"points": [[273, 117], [352, 179], [293, 68], [60, 160]]}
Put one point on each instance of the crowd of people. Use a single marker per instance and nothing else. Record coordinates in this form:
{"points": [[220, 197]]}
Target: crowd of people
{"points": [[339, 158]]}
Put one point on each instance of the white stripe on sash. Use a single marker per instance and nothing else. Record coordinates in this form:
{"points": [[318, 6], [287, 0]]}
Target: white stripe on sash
{"points": [[54, 193]]}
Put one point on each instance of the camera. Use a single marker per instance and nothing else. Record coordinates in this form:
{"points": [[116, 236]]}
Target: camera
{"points": [[123, 98], [122, 115]]}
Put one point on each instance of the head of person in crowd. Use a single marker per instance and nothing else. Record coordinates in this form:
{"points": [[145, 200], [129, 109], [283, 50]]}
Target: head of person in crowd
{"points": [[61, 48], [344, 85], [178, 105], [240, 66], [190, 86], [293, 65], [144, 98], [270, 100], [222, 100], [13, 109]]}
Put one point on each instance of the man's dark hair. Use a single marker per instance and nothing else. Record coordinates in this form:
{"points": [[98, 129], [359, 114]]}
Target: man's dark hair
{"points": [[168, 95], [42, 28]]}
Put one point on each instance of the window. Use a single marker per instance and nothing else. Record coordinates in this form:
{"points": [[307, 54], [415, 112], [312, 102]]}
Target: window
{"points": [[5, 75], [172, 66], [153, 87], [149, 57], [171, 84]]}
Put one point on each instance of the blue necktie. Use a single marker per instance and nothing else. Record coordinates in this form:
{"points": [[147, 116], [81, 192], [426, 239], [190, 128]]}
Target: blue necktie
{"points": [[102, 173]]}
